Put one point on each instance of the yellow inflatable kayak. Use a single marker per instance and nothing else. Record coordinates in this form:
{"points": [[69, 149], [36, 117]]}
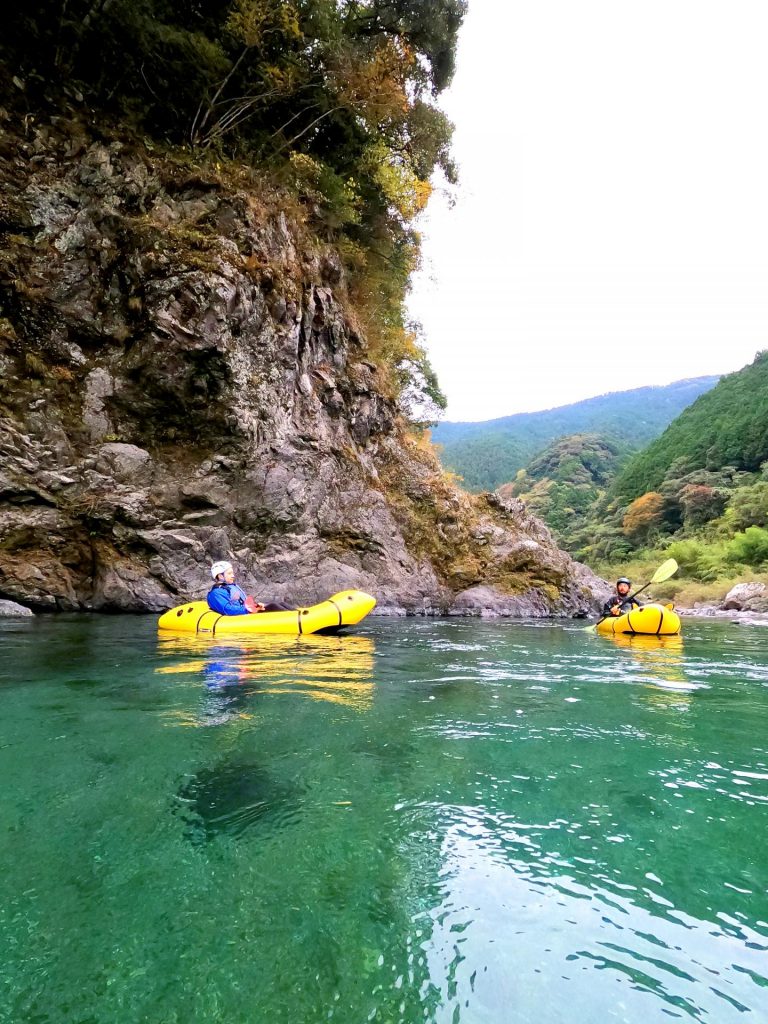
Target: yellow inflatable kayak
{"points": [[650, 620], [344, 609]]}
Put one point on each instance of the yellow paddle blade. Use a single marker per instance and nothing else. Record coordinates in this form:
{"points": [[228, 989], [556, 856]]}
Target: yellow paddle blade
{"points": [[665, 570]]}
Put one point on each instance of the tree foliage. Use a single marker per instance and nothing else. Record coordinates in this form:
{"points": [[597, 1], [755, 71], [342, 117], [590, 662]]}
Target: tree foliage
{"points": [[563, 483], [700, 503], [348, 83], [749, 547], [727, 426], [335, 96], [748, 506], [644, 515]]}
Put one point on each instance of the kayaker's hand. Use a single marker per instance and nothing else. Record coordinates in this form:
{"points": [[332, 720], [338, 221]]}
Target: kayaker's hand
{"points": [[253, 606], [615, 609]]}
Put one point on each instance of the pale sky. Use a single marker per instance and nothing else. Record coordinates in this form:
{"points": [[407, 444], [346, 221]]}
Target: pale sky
{"points": [[611, 223]]}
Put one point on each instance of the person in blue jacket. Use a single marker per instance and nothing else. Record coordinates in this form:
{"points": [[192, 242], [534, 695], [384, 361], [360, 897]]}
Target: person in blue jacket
{"points": [[226, 598]]}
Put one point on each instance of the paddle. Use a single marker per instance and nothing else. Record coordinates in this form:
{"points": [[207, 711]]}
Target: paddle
{"points": [[664, 572]]}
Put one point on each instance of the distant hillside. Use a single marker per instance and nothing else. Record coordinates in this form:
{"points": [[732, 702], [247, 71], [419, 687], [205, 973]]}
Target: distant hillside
{"points": [[490, 453], [728, 426], [562, 483], [698, 493]]}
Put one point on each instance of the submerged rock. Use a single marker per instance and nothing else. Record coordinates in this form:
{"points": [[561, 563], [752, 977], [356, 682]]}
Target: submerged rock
{"points": [[235, 800], [184, 380]]}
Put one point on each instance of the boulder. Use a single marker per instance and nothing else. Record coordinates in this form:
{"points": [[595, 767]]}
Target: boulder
{"points": [[742, 596], [487, 602], [127, 463], [118, 586], [11, 610]]}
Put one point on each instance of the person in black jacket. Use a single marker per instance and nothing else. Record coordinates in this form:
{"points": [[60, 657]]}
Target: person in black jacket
{"points": [[618, 603]]}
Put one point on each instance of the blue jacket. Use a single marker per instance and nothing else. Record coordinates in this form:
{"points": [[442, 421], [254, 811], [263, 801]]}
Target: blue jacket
{"points": [[227, 599]]}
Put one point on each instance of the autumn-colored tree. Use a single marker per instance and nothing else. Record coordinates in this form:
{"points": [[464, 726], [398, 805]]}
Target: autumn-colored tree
{"points": [[645, 514]]}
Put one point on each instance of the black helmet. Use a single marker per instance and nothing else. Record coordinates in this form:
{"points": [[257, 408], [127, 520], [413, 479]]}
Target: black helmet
{"points": [[623, 579]]}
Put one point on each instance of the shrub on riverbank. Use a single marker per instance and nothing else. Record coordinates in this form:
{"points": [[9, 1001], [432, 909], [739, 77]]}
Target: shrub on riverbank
{"points": [[684, 588]]}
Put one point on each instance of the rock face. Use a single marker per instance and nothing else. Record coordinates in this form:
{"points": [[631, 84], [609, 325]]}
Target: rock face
{"points": [[182, 380]]}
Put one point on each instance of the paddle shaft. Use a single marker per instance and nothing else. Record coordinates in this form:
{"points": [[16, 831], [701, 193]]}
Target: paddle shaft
{"points": [[633, 596]]}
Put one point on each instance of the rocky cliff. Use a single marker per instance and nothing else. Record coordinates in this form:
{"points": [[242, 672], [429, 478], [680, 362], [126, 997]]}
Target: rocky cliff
{"points": [[182, 379]]}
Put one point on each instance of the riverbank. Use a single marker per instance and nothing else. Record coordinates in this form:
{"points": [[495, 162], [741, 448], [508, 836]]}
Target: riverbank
{"points": [[745, 618], [11, 610]]}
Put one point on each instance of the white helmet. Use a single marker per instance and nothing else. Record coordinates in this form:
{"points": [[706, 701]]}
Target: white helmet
{"points": [[218, 568]]}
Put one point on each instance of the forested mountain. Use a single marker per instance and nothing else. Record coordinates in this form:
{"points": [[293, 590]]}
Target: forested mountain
{"points": [[562, 483], [699, 492], [728, 426], [490, 453]]}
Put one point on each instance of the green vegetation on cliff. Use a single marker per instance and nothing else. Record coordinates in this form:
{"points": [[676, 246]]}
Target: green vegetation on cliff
{"points": [[334, 101], [489, 454]]}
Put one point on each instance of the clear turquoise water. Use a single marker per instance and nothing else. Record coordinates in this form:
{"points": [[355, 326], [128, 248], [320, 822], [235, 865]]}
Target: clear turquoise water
{"points": [[427, 821]]}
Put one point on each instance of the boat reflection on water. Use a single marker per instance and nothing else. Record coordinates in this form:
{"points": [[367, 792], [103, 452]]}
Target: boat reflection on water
{"points": [[658, 661], [338, 669], [236, 792]]}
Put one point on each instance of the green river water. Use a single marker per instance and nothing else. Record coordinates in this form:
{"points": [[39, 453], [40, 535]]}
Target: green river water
{"points": [[448, 821]]}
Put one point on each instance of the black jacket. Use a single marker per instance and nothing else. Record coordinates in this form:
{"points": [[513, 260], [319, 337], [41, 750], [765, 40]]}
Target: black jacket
{"points": [[624, 604]]}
